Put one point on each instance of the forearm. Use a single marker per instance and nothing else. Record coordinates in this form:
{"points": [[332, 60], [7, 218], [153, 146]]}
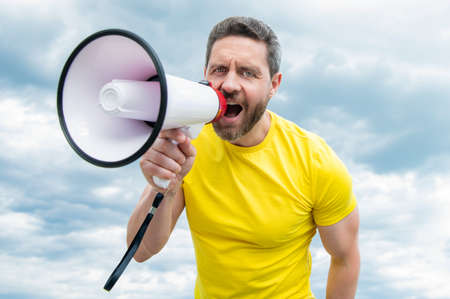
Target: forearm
{"points": [[159, 228], [170, 161], [343, 276]]}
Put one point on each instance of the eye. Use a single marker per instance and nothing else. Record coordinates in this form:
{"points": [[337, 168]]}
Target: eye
{"points": [[220, 69], [248, 74]]}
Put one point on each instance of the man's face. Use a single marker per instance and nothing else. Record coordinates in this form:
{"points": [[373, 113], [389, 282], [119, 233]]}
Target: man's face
{"points": [[238, 68]]}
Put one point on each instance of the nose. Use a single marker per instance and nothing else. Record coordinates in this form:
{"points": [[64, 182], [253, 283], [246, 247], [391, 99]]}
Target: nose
{"points": [[231, 83]]}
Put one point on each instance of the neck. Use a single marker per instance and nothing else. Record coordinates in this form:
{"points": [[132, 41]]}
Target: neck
{"points": [[257, 134]]}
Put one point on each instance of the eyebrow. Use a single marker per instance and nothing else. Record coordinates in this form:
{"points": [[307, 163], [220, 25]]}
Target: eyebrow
{"points": [[251, 68], [216, 65]]}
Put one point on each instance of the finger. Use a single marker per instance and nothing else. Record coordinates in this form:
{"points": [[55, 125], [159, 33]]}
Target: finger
{"points": [[163, 161], [173, 134], [167, 148], [187, 148], [151, 169]]}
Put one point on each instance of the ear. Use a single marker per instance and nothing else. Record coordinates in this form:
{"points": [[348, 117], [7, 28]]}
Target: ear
{"points": [[276, 81]]}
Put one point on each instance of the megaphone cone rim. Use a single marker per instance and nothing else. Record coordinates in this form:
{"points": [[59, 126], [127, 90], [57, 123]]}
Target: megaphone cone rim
{"points": [[163, 102]]}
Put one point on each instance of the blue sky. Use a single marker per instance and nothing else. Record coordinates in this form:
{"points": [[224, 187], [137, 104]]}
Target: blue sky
{"points": [[371, 77]]}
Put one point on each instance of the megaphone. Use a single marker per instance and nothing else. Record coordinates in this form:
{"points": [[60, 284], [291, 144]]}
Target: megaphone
{"points": [[113, 100]]}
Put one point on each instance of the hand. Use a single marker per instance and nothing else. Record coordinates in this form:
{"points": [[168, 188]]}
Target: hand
{"points": [[167, 160]]}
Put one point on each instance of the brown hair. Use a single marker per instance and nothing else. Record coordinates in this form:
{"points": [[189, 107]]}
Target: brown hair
{"points": [[252, 28]]}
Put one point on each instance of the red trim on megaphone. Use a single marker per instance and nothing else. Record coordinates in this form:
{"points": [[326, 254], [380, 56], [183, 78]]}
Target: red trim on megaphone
{"points": [[222, 104]]}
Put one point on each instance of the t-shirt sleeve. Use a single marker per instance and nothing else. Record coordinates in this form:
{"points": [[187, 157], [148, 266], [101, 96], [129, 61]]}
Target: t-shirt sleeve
{"points": [[331, 187]]}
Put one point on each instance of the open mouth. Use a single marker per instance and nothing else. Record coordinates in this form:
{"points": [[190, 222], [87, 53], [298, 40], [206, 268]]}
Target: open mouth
{"points": [[233, 110]]}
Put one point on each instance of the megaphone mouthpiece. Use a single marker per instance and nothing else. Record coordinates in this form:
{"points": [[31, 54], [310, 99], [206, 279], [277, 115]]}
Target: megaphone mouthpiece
{"points": [[131, 99]]}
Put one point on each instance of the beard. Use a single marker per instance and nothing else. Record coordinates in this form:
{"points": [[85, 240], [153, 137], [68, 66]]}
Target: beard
{"points": [[250, 118]]}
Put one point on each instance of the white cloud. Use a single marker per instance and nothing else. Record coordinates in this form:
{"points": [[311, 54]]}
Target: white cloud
{"points": [[351, 138], [107, 191], [24, 129], [14, 224], [405, 231], [30, 130], [353, 39]]}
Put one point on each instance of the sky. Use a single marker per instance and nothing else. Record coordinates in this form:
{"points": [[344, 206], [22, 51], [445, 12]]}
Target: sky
{"points": [[371, 77]]}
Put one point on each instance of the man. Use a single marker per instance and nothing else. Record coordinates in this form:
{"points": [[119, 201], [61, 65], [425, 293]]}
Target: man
{"points": [[259, 188]]}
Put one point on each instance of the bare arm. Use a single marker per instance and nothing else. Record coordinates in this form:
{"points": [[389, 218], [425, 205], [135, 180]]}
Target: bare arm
{"points": [[167, 161], [160, 227], [341, 242]]}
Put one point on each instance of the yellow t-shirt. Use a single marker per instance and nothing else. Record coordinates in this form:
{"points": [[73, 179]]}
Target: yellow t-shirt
{"points": [[253, 211]]}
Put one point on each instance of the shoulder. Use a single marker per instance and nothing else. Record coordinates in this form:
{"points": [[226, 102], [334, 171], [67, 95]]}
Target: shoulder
{"points": [[323, 162], [308, 143], [282, 124], [294, 130], [321, 153]]}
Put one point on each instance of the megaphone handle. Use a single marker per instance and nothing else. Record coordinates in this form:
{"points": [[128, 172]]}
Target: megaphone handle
{"points": [[192, 132], [161, 183]]}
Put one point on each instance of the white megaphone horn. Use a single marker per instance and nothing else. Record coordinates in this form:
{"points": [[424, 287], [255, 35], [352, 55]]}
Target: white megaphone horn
{"points": [[113, 100]]}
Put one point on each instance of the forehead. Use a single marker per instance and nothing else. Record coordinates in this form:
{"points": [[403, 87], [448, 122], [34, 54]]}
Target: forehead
{"points": [[241, 49]]}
